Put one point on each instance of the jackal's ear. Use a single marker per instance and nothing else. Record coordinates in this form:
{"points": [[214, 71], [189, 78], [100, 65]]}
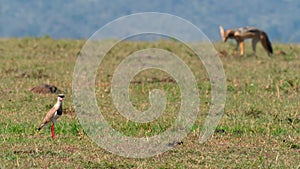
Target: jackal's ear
{"points": [[222, 32]]}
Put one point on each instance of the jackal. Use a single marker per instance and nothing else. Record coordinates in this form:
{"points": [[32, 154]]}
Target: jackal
{"points": [[240, 34]]}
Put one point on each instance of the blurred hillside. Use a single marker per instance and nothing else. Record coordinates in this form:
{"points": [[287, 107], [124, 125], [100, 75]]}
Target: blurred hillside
{"points": [[81, 18]]}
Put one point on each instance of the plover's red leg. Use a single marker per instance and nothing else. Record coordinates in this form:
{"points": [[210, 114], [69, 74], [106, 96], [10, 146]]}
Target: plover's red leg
{"points": [[52, 131]]}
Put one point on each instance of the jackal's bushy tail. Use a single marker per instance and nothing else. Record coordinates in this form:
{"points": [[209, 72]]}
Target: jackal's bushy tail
{"points": [[266, 43]]}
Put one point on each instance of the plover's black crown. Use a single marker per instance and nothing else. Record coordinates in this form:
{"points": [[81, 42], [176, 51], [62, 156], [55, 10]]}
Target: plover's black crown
{"points": [[61, 95]]}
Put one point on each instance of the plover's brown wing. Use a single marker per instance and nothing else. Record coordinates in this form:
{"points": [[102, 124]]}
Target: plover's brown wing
{"points": [[48, 117]]}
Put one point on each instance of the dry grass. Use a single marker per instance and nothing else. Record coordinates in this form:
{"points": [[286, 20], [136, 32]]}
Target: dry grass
{"points": [[259, 129]]}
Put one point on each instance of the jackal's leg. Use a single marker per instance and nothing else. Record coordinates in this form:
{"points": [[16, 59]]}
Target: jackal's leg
{"points": [[237, 48], [242, 47], [254, 42], [237, 45]]}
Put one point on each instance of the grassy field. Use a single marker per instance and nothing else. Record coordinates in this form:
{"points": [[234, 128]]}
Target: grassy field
{"points": [[260, 127]]}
